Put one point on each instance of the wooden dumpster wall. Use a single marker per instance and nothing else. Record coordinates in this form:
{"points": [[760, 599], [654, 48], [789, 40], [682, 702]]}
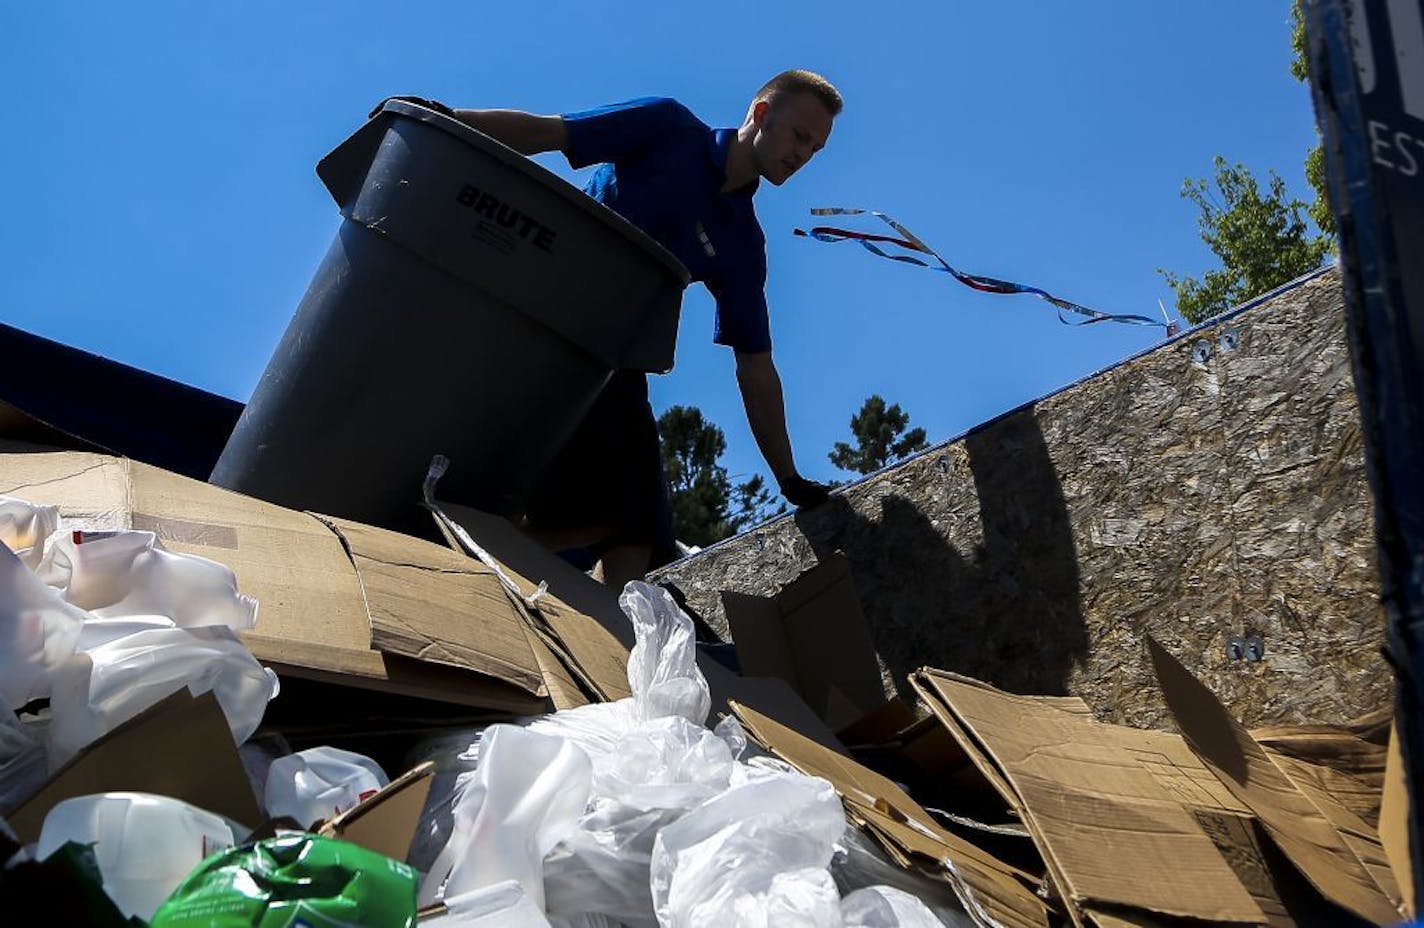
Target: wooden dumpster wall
{"points": [[1194, 500]]}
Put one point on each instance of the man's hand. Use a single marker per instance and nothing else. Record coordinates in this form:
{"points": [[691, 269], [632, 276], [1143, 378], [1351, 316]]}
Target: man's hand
{"points": [[803, 493], [435, 105]]}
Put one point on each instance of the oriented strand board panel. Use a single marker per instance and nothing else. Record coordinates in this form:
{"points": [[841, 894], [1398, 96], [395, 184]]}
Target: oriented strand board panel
{"points": [[1211, 488]]}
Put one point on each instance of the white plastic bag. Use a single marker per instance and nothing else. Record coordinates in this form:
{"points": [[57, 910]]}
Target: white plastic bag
{"points": [[144, 844], [24, 527], [887, 907], [95, 691], [127, 574], [319, 783], [662, 667], [38, 632], [728, 851], [525, 797], [859, 865]]}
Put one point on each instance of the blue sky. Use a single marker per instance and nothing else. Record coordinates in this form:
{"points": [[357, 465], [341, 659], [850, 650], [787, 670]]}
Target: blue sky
{"points": [[161, 206]]}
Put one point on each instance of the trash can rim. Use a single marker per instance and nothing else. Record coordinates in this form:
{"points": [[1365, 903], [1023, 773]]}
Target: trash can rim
{"points": [[546, 177]]}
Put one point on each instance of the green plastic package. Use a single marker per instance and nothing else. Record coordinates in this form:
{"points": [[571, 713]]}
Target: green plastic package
{"points": [[293, 880]]}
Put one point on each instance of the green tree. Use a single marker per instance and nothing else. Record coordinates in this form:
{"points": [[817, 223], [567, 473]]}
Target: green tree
{"points": [[706, 505], [1319, 208], [1261, 239], [880, 437]]}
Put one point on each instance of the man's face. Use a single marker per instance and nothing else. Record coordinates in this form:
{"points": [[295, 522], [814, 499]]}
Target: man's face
{"points": [[790, 130]]}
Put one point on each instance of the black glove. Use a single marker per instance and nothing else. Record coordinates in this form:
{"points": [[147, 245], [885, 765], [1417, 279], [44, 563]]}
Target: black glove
{"points": [[803, 493], [435, 105]]}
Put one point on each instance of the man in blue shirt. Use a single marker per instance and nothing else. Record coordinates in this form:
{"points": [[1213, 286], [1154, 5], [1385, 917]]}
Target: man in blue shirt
{"points": [[689, 187]]}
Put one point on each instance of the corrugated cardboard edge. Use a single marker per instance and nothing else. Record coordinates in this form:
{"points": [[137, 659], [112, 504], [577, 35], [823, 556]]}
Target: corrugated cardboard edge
{"points": [[386, 822], [1394, 823], [583, 642]]}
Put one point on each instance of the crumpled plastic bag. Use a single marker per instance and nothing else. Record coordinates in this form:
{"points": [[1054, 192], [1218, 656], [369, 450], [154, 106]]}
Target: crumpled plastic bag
{"points": [[887, 907], [129, 574], [662, 667], [38, 632], [526, 795], [24, 526], [654, 774], [859, 864], [724, 856], [316, 784], [97, 690]]}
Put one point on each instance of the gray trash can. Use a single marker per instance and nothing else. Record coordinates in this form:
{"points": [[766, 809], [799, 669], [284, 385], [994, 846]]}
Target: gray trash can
{"points": [[472, 305]]}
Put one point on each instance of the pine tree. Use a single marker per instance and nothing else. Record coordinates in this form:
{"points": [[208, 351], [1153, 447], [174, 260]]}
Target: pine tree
{"points": [[877, 429]]}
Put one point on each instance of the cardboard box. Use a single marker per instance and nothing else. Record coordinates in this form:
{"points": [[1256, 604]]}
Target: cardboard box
{"points": [[336, 600], [813, 635]]}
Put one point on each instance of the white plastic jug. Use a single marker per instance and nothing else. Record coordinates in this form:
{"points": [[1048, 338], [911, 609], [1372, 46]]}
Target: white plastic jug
{"points": [[144, 844], [316, 784], [124, 574]]}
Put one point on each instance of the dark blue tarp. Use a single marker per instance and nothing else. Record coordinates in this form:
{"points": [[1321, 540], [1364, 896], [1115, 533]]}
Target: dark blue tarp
{"points": [[1367, 77], [81, 400]]}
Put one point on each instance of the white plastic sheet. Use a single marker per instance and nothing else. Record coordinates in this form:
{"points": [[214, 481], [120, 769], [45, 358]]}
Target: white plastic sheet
{"points": [[727, 853], [95, 691], [24, 526], [526, 795], [319, 783], [38, 632], [887, 907], [129, 574], [662, 667]]}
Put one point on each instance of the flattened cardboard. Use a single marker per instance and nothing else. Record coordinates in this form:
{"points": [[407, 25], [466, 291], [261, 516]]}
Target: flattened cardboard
{"points": [[386, 822], [993, 892], [1394, 824], [581, 614], [564, 690], [313, 617], [774, 698], [1303, 833], [1112, 835], [179, 747], [434, 604], [813, 635]]}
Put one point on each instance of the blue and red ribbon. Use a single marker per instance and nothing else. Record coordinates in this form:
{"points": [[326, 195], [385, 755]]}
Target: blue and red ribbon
{"points": [[908, 241]]}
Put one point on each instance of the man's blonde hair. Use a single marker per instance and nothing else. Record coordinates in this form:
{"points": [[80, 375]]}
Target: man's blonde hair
{"points": [[801, 81]]}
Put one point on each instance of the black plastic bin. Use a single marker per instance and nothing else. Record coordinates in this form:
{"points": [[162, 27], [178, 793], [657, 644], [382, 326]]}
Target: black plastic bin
{"points": [[473, 305]]}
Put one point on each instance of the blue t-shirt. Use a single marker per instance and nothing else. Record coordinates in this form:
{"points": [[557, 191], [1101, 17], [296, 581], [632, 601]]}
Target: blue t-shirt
{"points": [[663, 170]]}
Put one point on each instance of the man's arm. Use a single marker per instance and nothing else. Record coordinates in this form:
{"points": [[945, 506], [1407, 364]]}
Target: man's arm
{"points": [[526, 133], [766, 414]]}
